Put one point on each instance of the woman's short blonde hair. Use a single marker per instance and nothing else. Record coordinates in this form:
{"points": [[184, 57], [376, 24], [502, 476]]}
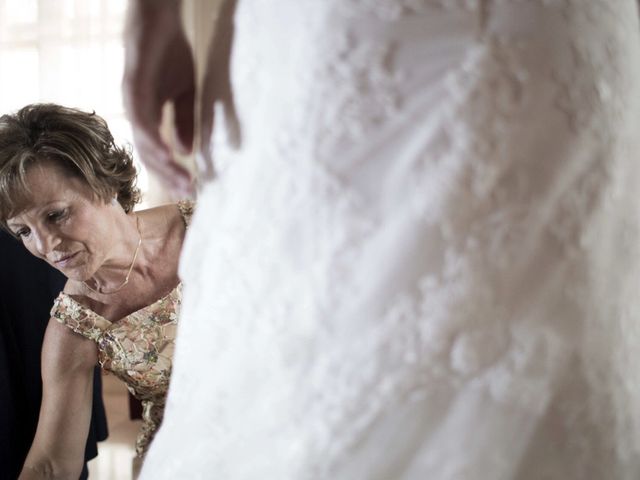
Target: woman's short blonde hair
{"points": [[77, 141]]}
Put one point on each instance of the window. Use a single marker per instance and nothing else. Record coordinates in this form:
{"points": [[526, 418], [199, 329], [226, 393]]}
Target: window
{"points": [[68, 52]]}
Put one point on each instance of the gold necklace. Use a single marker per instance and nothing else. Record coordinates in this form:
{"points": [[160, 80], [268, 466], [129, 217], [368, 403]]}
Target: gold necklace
{"points": [[133, 262]]}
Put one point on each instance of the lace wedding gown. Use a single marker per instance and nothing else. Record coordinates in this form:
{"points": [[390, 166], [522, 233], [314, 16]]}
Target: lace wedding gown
{"points": [[423, 259]]}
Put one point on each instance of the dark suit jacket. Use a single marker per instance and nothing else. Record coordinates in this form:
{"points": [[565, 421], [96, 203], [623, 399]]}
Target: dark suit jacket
{"points": [[27, 289]]}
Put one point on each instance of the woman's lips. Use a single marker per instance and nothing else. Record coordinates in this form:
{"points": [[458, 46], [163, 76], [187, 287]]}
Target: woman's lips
{"points": [[64, 261]]}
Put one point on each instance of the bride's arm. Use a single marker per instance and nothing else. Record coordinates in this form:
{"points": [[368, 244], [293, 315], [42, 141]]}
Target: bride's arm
{"points": [[159, 68], [68, 360]]}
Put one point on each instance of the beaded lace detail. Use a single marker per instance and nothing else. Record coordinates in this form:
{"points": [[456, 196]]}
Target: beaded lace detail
{"points": [[422, 261]]}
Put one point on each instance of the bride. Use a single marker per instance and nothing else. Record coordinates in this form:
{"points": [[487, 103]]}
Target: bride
{"points": [[420, 259]]}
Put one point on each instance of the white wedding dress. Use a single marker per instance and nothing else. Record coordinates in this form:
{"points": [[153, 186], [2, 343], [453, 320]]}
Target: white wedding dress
{"points": [[422, 260]]}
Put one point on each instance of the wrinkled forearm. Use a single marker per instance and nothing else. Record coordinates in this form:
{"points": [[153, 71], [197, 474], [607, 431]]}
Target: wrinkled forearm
{"points": [[48, 470], [34, 471], [57, 451]]}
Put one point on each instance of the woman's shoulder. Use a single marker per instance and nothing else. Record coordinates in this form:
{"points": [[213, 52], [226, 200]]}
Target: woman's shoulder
{"points": [[165, 227], [169, 214], [73, 309]]}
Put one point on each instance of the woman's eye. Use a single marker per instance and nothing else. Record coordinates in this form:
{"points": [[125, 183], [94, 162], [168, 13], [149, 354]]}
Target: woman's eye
{"points": [[57, 215], [23, 232]]}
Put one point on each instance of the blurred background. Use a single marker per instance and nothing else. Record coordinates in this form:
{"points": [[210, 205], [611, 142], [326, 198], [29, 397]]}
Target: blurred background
{"points": [[71, 52]]}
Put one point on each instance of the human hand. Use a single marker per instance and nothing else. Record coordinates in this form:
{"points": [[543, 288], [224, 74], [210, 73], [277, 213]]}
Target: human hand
{"points": [[159, 67]]}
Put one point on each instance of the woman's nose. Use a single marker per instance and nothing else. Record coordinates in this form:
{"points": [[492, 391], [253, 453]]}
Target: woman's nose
{"points": [[45, 242]]}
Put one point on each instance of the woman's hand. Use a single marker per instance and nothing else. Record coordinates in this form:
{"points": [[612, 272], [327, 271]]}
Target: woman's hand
{"points": [[159, 68]]}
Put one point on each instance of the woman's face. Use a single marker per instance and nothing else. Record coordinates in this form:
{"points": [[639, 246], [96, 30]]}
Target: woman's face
{"points": [[63, 223]]}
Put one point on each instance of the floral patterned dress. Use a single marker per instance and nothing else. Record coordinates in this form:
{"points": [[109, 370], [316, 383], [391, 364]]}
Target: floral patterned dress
{"points": [[138, 348]]}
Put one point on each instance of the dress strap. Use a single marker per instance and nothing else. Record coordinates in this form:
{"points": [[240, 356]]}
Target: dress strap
{"points": [[78, 318], [186, 208]]}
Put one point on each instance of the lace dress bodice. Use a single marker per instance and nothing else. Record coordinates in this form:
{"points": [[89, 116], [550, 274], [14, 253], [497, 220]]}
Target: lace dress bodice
{"points": [[137, 349]]}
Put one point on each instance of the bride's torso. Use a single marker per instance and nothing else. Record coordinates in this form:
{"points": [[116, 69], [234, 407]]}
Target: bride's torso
{"points": [[404, 245]]}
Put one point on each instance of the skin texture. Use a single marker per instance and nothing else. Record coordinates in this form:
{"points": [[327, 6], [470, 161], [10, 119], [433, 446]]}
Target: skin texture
{"points": [[87, 240], [159, 68]]}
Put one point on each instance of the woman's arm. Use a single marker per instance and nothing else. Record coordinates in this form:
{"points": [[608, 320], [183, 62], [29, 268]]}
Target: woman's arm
{"points": [[67, 382]]}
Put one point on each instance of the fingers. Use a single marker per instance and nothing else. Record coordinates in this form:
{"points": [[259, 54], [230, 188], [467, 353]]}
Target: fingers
{"points": [[145, 114], [157, 157]]}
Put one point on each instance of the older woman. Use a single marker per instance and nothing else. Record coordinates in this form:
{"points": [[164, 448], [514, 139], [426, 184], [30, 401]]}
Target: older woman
{"points": [[68, 192]]}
